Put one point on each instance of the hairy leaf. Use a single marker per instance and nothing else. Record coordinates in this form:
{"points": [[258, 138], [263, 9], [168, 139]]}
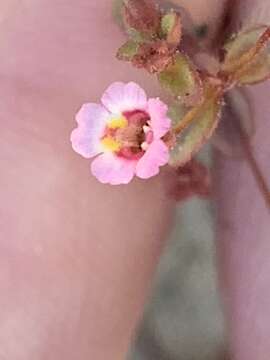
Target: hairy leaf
{"points": [[153, 56], [205, 118], [176, 112], [128, 50], [137, 36], [258, 71], [248, 56], [171, 28], [182, 80], [142, 15]]}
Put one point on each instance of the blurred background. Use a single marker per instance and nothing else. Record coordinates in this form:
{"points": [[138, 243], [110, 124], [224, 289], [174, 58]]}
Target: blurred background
{"points": [[184, 320]]}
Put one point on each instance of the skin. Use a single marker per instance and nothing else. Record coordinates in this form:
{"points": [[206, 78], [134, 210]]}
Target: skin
{"points": [[77, 257], [243, 242]]}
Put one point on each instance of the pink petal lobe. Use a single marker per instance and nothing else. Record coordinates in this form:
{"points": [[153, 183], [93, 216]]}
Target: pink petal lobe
{"points": [[159, 122], [156, 155], [91, 121], [111, 169], [124, 97]]}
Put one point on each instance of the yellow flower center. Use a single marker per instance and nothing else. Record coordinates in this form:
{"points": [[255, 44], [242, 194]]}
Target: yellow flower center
{"points": [[110, 144], [118, 122]]}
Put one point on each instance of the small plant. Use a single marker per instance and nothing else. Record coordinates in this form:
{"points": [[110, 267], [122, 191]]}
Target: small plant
{"points": [[130, 135], [154, 44]]}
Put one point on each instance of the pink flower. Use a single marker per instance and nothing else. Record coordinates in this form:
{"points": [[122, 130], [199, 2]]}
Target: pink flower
{"points": [[124, 133]]}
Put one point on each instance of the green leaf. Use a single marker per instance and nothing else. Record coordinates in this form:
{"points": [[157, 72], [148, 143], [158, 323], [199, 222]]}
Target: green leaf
{"points": [[176, 112], [190, 141], [258, 71], [138, 36], [171, 28], [167, 23], [248, 56], [241, 43], [128, 50], [182, 80]]}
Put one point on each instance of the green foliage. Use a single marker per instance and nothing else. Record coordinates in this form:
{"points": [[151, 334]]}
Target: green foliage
{"points": [[248, 56], [182, 80], [171, 28], [128, 50], [138, 36], [153, 45], [168, 23], [205, 119], [176, 112]]}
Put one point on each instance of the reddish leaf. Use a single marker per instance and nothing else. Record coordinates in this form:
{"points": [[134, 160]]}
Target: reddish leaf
{"points": [[142, 15], [154, 56]]}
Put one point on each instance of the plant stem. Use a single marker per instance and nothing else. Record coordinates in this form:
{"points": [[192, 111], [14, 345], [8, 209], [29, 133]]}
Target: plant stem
{"points": [[211, 94], [186, 121]]}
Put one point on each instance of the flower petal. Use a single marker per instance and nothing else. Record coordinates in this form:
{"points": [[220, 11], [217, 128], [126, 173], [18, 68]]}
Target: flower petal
{"points": [[124, 97], [111, 169], [86, 137], [159, 122], [156, 155]]}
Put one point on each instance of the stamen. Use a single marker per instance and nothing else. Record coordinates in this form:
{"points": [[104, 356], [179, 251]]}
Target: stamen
{"points": [[144, 146], [146, 129]]}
